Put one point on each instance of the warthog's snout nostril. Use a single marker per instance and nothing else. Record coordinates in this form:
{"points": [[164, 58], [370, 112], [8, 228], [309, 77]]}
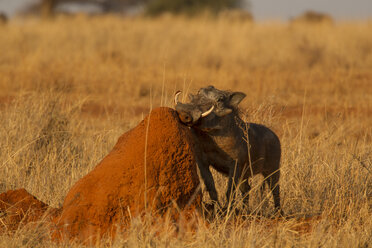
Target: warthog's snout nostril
{"points": [[185, 118]]}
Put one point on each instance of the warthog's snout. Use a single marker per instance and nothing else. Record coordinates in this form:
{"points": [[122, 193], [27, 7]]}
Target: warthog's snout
{"points": [[185, 117], [189, 113]]}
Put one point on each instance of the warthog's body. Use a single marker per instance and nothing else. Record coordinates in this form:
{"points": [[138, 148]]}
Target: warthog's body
{"points": [[222, 142]]}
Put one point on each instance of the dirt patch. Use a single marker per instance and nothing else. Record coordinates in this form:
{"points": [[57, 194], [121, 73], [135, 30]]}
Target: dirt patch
{"points": [[20, 207], [5, 100], [152, 163], [329, 112], [97, 110]]}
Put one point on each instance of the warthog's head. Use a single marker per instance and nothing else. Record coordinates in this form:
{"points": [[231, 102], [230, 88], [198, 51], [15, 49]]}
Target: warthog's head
{"points": [[208, 109]]}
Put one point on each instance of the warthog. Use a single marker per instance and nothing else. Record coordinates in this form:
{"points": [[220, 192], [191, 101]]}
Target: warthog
{"points": [[231, 146]]}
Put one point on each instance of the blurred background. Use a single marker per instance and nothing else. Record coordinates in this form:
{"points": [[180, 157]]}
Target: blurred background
{"points": [[77, 74], [260, 9]]}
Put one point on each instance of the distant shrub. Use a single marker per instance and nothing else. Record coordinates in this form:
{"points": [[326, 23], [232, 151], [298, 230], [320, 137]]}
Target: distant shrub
{"points": [[236, 15], [3, 18], [190, 7], [313, 17]]}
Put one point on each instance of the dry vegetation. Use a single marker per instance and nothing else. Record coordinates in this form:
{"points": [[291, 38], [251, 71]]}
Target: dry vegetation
{"points": [[70, 86]]}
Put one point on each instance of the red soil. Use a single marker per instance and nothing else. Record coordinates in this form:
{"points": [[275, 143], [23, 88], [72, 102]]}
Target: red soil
{"points": [[19, 206], [115, 190]]}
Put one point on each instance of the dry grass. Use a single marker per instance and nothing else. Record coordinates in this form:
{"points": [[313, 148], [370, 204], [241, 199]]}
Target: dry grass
{"points": [[71, 86]]}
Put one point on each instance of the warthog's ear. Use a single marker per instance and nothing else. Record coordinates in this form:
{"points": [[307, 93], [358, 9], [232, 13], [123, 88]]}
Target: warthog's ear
{"points": [[236, 98], [191, 97]]}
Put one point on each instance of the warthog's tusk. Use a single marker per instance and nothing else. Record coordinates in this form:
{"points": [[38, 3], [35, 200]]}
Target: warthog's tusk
{"points": [[207, 112], [176, 97]]}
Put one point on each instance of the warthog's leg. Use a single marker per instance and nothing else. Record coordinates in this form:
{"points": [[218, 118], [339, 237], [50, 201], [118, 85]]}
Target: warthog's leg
{"points": [[272, 181], [234, 177], [208, 180], [245, 188]]}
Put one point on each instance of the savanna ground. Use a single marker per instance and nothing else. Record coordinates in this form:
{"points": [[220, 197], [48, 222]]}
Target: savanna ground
{"points": [[69, 87]]}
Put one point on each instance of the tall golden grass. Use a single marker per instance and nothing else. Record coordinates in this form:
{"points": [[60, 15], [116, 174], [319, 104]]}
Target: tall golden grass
{"points": [[70, 86]]}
